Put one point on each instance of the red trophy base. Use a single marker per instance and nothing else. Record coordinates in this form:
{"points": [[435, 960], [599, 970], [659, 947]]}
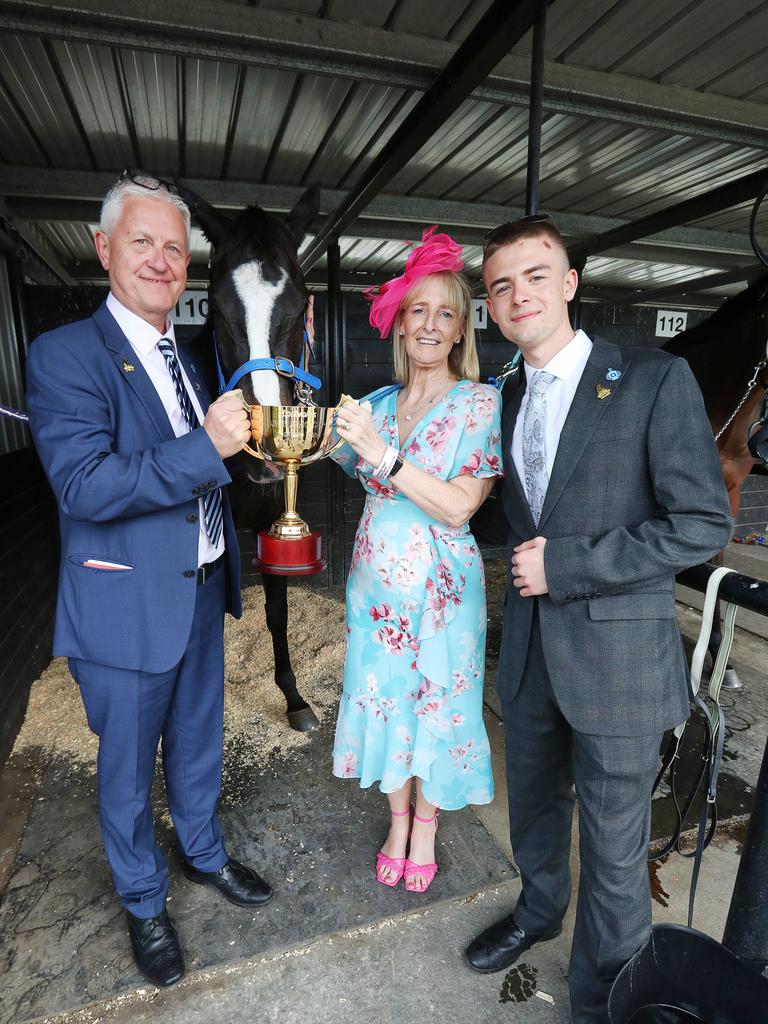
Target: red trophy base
{"points": [[299, 557]]}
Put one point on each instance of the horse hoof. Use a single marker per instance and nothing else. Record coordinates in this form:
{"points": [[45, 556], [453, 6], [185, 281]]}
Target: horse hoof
{"points": [[303, 720], [731, 680]]}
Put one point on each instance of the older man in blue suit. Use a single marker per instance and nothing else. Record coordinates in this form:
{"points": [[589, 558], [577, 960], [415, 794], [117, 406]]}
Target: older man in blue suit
{"points": [[135, 455]]}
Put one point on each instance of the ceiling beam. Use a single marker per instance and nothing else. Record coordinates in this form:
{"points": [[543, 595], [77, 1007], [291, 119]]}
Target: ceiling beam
{"points": [[91, 272], [722, 198], [87, 212], [652, 296], [502, 25], [248, 35], [48, 194]]}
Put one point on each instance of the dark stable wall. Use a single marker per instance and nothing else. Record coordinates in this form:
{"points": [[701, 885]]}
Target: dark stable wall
{"points": [[29, 561]]}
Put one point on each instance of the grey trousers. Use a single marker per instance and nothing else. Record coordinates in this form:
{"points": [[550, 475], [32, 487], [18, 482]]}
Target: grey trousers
{"points": [[612, 776]]}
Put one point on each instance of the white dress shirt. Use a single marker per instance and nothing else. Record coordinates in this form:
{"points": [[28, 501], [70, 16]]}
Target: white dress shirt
{"points": [[144, 338], [567, 367]]}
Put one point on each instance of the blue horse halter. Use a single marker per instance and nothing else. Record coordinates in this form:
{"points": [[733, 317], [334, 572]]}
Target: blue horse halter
{"points": [[281, 365]]}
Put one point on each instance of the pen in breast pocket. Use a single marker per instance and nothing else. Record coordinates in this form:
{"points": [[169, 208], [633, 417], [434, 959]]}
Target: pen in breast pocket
{"points": [[99, 563]]}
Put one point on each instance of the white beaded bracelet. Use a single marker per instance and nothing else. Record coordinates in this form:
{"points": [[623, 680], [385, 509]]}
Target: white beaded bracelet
{"points": [[385, 467]]}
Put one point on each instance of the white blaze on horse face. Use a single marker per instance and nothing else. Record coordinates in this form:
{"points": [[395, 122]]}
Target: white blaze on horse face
{"points": [[258, 298]]}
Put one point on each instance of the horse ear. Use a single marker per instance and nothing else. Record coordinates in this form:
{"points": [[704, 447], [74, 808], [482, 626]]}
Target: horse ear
{"points": [[304, 212], [213, 223]]}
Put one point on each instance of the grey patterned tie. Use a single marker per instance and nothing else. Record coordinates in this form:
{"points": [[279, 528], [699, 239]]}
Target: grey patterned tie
{"points": [[212, 501], [534, 442]]}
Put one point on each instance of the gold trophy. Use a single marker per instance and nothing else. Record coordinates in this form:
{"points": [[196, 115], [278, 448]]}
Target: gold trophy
{"points": [[293, 435]]}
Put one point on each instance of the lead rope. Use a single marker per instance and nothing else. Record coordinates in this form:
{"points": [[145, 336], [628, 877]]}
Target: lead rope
{"points": [[712, 752], [714, 713]]}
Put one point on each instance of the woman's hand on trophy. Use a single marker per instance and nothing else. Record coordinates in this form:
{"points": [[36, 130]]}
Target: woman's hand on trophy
{"points": [[354, 424], [227, 424]]}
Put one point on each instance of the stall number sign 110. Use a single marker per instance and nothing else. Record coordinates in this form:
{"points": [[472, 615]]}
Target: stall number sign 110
{"points": [[669, 323], [192, 308]]}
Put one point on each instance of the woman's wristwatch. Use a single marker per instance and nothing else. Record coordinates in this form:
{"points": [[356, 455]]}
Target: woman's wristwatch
{"points": [[391, 462], [399, 461]]}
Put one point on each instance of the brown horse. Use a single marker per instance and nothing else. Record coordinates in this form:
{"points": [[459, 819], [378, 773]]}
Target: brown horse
{"points": [[728, 353]]}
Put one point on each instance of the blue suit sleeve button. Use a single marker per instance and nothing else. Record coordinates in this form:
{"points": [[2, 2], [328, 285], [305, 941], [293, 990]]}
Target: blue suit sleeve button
{"points": [[189, 573]]}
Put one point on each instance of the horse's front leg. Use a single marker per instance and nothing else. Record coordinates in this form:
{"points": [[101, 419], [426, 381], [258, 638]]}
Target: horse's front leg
{"points": [[300, 715]]}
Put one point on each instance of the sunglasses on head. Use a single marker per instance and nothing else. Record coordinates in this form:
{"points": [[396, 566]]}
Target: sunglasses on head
{"points": [[142, 179]]}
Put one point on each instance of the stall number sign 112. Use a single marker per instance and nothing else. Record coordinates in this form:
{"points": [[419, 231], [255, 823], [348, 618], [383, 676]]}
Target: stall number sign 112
{"points": [[669, 323]]}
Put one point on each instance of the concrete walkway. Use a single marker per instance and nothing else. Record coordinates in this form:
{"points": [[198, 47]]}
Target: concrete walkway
{"points": [[403, 965]]}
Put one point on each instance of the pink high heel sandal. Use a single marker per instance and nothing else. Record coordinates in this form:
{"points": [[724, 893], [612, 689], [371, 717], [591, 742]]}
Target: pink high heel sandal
{"points": [[427, 870], [396, 864]]}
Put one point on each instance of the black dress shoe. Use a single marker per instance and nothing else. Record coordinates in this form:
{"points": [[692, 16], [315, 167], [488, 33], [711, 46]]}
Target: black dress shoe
{"points": [[241, 885], [500, 945], [156, 949]]}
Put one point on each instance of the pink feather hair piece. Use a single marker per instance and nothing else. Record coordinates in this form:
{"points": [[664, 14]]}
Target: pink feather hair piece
{"points": [[437, 252]]}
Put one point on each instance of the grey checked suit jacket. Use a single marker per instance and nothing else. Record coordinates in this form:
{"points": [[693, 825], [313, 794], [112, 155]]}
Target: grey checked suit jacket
{"points": [[635, 496]]}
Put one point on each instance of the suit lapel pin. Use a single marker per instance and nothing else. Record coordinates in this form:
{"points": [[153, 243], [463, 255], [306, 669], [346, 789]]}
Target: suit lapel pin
{"points": [[197, 387], [128, 367], [613, 374], [602, 391]]}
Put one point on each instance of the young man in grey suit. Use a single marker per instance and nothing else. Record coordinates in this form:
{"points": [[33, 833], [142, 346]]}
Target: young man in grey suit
{"points": [[612, 486]]}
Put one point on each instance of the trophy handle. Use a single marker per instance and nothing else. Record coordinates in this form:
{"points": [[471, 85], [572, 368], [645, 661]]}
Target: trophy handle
{"points": [[344, 400], [237, 392]]}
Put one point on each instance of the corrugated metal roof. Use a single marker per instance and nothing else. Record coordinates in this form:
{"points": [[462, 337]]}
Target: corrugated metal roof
{"points": [[69, 104]]}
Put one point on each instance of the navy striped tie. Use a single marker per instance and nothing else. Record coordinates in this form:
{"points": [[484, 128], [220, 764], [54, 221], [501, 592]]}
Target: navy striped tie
{"points": [[212, 500]]}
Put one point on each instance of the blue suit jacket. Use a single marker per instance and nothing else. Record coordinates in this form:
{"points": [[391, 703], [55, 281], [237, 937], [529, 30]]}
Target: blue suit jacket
{"points": [[128, 492]]}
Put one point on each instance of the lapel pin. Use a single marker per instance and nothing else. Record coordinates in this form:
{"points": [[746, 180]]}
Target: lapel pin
{"points": [[128, 367], [197, 387], [613, 374], [602, 391]]}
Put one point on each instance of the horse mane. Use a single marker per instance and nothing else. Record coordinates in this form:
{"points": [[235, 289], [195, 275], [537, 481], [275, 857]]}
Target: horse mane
{"points": [[738, 306], [269, 233], [735, 310]]}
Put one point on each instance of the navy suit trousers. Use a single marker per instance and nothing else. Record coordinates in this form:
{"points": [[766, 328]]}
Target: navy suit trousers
{"points": [[131, 712], [612, 777]]}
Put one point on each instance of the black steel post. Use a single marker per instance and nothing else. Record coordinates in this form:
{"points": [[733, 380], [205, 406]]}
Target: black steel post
{"points": [[334, 384], [18, 307], [746, 930], [535, 111]]}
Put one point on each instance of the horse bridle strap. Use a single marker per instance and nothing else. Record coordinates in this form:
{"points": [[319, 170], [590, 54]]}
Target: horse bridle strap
{"points": [[279, 364]]}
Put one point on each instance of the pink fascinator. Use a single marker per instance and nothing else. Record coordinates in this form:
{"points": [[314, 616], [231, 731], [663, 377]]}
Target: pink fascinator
{"points": [[436, 253]]}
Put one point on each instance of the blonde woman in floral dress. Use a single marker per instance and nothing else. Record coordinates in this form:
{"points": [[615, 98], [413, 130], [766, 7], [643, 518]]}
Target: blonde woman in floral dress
{"points": [[426, 452]]}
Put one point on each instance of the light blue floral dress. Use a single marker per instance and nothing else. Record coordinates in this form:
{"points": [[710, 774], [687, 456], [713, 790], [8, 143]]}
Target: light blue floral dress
{"points": [[411, 703]]}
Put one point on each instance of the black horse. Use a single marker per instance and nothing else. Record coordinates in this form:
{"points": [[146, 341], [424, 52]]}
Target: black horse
{"points": [[257, 304]]}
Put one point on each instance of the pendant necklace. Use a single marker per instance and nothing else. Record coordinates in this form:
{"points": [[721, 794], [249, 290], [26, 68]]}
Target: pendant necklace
{"points": [[430, 401]]}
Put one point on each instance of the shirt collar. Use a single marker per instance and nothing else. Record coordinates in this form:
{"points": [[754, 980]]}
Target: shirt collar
{"points": [[142, 335], [574, 355]]}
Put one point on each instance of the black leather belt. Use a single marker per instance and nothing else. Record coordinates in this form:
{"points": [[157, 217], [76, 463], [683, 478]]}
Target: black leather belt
{"points": [[205, 572]]}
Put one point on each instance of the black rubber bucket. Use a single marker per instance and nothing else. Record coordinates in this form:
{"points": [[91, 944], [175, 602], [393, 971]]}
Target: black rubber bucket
{"points": [[685, 977]]}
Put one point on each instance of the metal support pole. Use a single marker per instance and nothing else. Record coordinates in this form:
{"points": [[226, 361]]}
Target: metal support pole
{"points": [[746, 930], [334, 377], [535, 111], [18, 306]]}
